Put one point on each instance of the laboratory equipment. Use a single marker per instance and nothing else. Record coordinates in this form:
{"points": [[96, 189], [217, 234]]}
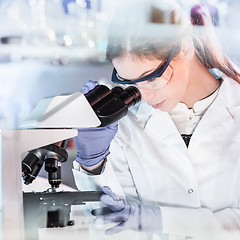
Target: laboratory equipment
{"points": [[111, 105], [52, 207], [13, 143], [100, 105]]}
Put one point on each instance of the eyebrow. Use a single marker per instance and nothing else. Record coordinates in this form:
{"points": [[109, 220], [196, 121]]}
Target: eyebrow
{"points": [[146, 72], [152, 70]]}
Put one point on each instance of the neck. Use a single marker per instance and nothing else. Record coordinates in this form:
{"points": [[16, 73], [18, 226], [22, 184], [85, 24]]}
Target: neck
{"points": [[201, 84]]}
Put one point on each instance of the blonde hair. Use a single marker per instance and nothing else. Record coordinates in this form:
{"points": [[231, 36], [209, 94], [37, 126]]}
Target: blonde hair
{"points": [[150, 29]]}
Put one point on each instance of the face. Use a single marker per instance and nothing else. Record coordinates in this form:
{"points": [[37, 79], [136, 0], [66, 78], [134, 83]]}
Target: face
{"points": [[161, 93]]}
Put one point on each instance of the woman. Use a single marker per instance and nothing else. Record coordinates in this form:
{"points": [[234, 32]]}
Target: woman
{"points": [[175, 158]]}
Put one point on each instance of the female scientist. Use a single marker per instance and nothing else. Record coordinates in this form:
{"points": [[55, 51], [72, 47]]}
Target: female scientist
{"points": [[172, 165]]}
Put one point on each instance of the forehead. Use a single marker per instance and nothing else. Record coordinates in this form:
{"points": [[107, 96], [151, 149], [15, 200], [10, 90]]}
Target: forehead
{"points": [[130, 67]]}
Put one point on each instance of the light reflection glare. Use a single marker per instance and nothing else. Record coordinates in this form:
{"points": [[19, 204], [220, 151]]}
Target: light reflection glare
{"points": [[91, 44], [67, 40], [51, 35], [85, 23]]}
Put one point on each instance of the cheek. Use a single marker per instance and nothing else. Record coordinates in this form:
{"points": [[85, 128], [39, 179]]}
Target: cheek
{"points": [[168, 73], [175, 90], [144, 93], [175, 93], [172, 92], [178, 84], [148, 94]]}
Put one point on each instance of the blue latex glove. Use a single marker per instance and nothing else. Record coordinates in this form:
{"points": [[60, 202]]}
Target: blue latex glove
{"points": [[93, 144], [129, 215], [89, 86]]}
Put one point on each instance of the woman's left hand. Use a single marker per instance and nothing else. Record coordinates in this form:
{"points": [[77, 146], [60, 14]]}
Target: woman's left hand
{"points": [[129, 215]]}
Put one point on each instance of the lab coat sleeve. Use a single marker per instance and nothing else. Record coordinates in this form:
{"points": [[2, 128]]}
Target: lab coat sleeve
{"points": [[116, 174], [90, 182], [201, 223]]}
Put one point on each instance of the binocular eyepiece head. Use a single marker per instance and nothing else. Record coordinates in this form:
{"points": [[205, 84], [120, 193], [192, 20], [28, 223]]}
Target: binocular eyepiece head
{"points": [[112, 105]]}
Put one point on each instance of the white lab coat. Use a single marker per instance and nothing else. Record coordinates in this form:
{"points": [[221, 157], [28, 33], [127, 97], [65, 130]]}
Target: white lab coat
{"points": [[197, 188]]}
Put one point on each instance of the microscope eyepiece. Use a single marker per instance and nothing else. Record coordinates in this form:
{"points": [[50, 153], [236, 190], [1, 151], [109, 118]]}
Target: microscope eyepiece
{"points": [[130, 96], [111, 105]]}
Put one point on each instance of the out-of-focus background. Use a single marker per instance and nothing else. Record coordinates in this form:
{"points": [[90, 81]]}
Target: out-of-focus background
{"points": [[52, 47], [47, 48]]}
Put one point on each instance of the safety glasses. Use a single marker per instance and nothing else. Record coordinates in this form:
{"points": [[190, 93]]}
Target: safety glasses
{"points": [[155, 74]]}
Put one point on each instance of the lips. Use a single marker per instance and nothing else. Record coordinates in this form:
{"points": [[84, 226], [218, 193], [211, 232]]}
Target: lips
{"points": [[158, 105]]}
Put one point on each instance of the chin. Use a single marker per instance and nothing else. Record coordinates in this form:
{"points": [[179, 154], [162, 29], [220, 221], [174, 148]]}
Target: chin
{"points": [[167, 107], [164, 109]]}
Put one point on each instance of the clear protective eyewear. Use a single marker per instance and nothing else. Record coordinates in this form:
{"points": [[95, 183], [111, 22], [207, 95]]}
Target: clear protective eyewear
{"points": [[156, 79]]}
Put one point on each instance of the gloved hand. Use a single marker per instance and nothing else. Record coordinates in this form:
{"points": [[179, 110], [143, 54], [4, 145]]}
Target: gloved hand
{"points": [[129, 215], [89, 86], [93, 143]]}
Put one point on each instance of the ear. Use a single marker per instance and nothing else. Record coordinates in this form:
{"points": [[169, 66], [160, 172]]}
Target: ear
{"points": [[187, 48]]}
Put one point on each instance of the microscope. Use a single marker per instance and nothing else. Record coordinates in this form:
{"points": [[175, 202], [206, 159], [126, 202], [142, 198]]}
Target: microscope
{"points": [[98, 108]]}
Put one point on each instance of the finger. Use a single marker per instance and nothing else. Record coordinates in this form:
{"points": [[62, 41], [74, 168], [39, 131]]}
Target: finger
{"points": [[91, 84], [110, 218], [101, 211], [114, 205], [116, 229], [84, 89], [107, 190]]}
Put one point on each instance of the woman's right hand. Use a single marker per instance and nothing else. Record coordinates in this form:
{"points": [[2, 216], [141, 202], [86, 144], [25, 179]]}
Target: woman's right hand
{"points": [[93, 143]]}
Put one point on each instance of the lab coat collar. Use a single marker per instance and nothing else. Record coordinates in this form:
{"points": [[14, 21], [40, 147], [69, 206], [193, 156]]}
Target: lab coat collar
{"points": [[155, 119], [159, 126], [222, 115], [144, 109], [229, 97], [227, 101], [223, 110]]}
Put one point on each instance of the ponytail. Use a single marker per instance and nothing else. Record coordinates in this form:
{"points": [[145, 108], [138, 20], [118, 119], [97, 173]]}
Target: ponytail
{"points": [[207, 47]]}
